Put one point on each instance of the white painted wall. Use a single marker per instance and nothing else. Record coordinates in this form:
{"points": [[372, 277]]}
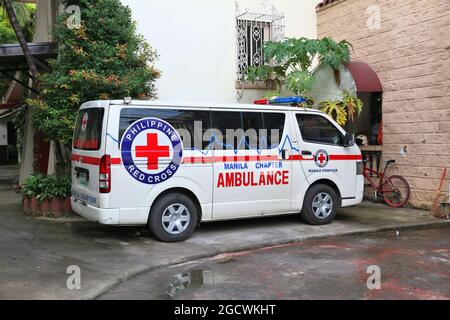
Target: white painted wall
{"points": [[196, 41]]}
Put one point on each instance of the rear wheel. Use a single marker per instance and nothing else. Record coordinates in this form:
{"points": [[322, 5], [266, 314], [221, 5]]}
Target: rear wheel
{"points": [[173, 217], [320, 205], [396, 191]]}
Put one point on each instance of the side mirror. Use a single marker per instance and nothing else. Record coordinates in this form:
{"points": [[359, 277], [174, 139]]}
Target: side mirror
{"points": [[349, 140]]}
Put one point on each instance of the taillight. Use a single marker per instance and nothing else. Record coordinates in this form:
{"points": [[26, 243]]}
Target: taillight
{"points": [[105, 174]]}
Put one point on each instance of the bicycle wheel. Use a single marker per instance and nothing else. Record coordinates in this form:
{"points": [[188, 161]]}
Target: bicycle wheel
{"points": [[395, 191]]}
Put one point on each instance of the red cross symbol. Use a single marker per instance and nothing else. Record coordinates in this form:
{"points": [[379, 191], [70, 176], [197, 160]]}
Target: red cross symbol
{"points": [[321, 158], [84, 121], [152, 151]]}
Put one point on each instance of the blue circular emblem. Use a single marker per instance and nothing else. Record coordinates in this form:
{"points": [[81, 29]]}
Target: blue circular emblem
{"points": [[151, 150]]}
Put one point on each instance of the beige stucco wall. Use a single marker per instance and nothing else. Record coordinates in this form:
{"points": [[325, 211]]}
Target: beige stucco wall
{"points": [[410, 52]]}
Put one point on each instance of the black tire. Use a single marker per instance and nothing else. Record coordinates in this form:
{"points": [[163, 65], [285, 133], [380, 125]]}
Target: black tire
{"points": [[307, 213], [161, 206]]}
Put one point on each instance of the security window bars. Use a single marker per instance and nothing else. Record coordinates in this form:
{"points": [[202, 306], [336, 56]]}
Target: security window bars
{"points": [[253, 29]]}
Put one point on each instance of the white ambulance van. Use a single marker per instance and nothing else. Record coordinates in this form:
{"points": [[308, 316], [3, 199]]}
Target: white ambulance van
{"points": [[171, 166]]}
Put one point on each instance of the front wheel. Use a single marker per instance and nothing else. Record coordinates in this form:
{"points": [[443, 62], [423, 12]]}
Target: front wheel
{"points": [[396, 191], [173, 217], [320, 205]]}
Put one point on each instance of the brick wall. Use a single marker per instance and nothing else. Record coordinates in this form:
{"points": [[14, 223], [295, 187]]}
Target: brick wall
{"points": [[411, 54]]}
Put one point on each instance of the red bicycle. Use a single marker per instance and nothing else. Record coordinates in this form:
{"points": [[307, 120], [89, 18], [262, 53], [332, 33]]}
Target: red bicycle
{"points": [[394, 189]]}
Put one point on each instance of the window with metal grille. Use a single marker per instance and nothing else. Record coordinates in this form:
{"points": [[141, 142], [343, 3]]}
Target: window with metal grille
{"points": [[253, 29]]}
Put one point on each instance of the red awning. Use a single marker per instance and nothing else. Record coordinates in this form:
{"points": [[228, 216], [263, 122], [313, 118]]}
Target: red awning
{"points": [[8, 105], [365, 78]]}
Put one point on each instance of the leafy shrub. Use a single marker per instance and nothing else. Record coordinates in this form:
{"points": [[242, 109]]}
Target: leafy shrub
{"points": [[33, 186], [103, 59], [47, 187], [288, 63], [342, 110]]}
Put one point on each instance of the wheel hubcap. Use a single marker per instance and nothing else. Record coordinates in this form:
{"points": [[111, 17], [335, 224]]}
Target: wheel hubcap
{"points": [[175, 218], [322, 205]]}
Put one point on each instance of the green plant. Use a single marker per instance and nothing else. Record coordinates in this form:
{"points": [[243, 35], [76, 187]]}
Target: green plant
{"points": [[32, 186], [43, 191], [25, 13], [342, 110], [103, 59], [26, 17], [46, 186], [352, 104], [62, 186], [289, 62], [335, 110]]}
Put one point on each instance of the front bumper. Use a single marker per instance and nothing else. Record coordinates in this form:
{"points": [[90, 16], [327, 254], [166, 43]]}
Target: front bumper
{"points": [[359, 193]]}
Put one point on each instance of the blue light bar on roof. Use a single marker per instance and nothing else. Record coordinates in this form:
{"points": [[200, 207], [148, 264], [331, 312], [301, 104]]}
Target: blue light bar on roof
{"points": [[287, 100]]}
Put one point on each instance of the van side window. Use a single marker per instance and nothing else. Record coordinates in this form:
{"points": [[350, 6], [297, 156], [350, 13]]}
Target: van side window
{"points": [[267, 129], [274, 123], [231, 120], [190, 124], [253, 126], [317, 129]]}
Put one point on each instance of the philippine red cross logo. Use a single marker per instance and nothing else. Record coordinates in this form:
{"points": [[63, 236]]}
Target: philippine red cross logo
{"points": [[151, 150], [321, 158], [84, 122]]}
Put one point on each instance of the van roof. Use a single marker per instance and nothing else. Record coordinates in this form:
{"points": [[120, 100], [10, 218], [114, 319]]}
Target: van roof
{"points": [[162, 103]]}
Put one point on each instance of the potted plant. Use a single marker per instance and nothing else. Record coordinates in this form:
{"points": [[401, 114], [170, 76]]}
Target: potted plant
{"points": [[28, 191], [49, 195], [31, 188], [54, 195], [64, 189], [60, 202], [56, 202], [43, 195]]}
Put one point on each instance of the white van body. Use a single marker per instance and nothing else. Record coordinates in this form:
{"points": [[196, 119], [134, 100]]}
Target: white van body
{"points": [[224, 184]]}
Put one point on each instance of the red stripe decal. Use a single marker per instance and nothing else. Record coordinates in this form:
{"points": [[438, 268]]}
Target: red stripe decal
{"points": [[115, 161], [86, 159], [187, 160], [345, 157]]}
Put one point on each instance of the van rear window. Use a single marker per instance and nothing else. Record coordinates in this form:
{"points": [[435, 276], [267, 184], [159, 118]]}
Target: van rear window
{"points": [[88, 129]]}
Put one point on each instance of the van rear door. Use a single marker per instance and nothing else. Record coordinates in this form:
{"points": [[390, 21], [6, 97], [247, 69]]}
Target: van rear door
{"points": [[88, 148]]}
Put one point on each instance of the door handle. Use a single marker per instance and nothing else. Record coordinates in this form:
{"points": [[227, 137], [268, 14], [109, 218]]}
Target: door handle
{"points": [[306, 153], [283, 154]]}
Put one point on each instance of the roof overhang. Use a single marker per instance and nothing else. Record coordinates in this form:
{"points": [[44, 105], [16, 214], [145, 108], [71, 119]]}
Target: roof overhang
{"points": [[13, 59], [325, 3]]}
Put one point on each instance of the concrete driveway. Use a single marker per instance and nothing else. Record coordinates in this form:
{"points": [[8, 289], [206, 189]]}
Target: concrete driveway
{"points": [[35, 253], [413, 265]]}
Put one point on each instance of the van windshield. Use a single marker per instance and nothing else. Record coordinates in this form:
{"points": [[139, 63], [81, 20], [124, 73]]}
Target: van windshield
{"points": [[88, 129]]}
